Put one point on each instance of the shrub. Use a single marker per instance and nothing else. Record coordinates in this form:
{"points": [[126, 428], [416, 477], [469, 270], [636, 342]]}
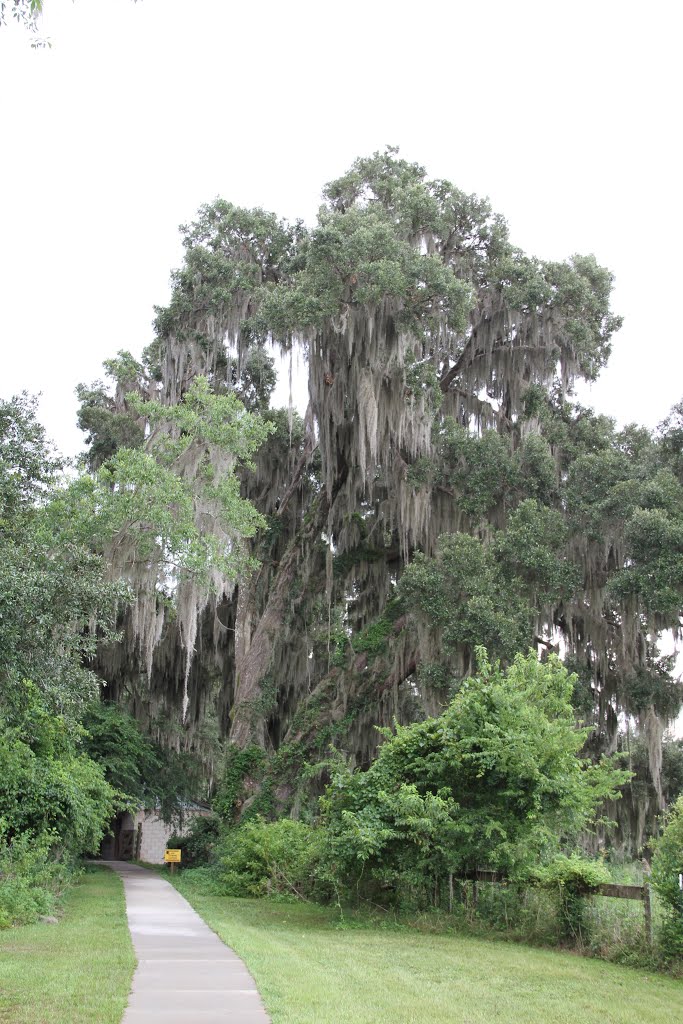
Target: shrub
{"points": [[48, 786], [54, 791], [54, 804], [667, 866], [271, 858], [198, 843], [30, 878], [572, 879]]}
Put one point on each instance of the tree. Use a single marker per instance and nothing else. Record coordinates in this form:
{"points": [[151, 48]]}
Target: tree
{"points": [[50, 790], [55, 803], [56, 601], [141, 771], [494, 781], [440, 432], [167, 514]]}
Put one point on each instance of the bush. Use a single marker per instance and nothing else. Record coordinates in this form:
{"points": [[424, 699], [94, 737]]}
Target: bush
{"points": [[572, 879], [198, 844], [48, 786], [30, 879], [55, 804], [272, 858], [667, 865]]}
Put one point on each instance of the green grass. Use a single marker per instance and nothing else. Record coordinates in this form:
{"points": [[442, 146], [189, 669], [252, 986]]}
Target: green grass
{"points": [[76, 972], [311, 970]]}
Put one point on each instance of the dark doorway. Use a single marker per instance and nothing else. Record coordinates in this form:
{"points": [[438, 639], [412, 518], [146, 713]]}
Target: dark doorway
{"points": [[120, 843]]}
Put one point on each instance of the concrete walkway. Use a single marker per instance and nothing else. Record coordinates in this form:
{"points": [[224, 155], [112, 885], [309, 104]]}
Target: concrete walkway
{"points": [[185, 974]]}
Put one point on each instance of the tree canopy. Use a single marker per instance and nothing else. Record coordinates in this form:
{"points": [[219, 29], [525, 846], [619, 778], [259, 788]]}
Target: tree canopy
{"points": [[443, 489], [283, 582]]}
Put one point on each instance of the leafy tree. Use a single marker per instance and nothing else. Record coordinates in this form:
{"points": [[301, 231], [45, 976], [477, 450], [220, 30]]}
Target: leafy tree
{"points": [[54, 598], [128, 758], [141, 771], [495, 781], [55, 803], [441, 491], [54, 594], [50, 788], [168, 514], [472, 593]]}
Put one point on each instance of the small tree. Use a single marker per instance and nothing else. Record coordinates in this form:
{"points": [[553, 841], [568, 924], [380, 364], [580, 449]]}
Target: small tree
{"points": [[495, 781]]}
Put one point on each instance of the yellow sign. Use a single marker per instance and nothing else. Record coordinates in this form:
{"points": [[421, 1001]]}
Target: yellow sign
{"points": [[172, 856]]}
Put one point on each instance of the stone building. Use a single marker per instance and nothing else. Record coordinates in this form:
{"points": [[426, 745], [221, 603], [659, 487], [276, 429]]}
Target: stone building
{"points": [[143, 835]]}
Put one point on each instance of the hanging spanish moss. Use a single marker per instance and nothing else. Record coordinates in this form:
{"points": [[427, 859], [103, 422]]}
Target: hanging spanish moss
{"points": [[441, 491]]}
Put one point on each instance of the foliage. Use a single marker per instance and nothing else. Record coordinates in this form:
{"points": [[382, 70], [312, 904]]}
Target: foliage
{"points": [[672, 769], [55, 804], [442, 465], [270, 858], [477, 594], [130, 761], [373, 638], [669, 442], [359, 257], [27, 463], [48, 786], [575, 530], [240, 766], [31, 880], [655, 572], [495, 781], [54, 594], [574, 872], [142, 772], [667, 868], [198, 844], [572, 878], [148, 497], [54, 599], [106, 428], [440, 359]]}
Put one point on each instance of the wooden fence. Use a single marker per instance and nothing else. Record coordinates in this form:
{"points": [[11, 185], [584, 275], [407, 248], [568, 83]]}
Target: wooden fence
{"points": [[612, 890]]}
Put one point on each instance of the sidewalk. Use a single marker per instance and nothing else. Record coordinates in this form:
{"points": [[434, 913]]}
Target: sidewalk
{"points": [[185, 974]]}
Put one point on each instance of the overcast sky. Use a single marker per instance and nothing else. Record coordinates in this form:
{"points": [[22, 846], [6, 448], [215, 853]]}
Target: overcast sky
{"points": [[567, 115]]}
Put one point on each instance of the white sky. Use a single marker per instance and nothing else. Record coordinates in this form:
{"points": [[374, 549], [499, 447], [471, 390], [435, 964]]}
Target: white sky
{"points": [[567, 114]]}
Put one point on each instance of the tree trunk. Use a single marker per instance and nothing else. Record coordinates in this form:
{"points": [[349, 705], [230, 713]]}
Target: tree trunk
{"points": [[254, 651]]}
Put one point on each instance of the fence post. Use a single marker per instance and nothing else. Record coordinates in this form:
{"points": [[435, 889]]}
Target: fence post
{"points": [[647, 908]]}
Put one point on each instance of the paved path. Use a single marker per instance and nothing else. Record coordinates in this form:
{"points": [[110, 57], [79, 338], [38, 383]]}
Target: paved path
{"points": [[185, 974]]}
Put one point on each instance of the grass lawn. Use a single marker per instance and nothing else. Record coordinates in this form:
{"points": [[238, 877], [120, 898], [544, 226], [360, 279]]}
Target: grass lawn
{"points": [[76, 972], [311, 970]]}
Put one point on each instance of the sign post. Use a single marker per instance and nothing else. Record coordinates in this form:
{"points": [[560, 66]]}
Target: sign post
{"points": [[172, 857]]}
